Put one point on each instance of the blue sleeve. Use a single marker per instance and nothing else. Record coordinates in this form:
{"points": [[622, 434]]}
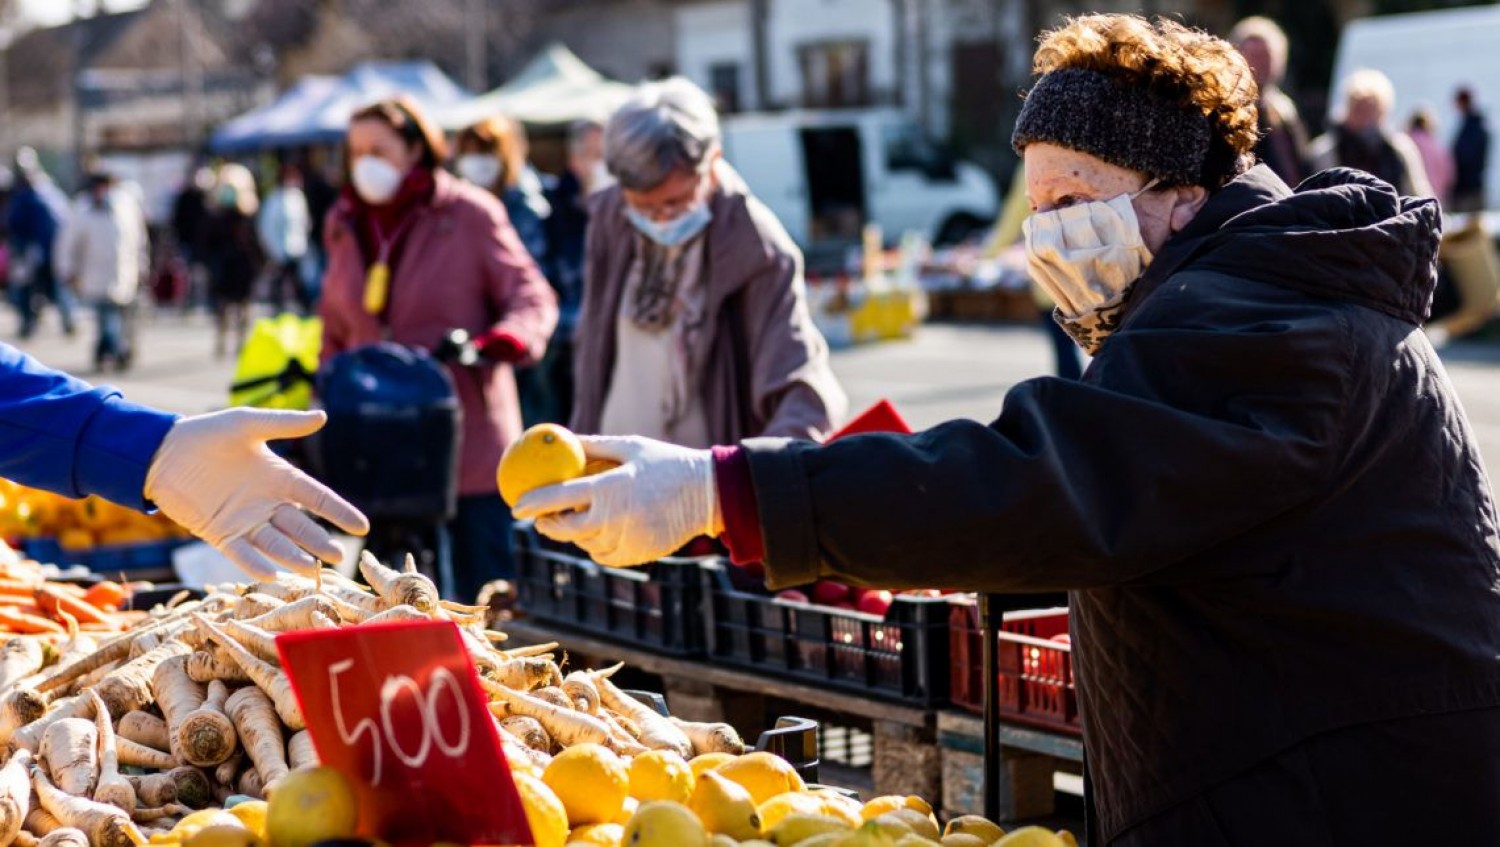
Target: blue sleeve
{"points": [[58, 433]]}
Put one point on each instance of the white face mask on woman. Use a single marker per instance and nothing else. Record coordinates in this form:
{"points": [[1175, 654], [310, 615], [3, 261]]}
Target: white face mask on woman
{"points": [[482, 169], [1086, 256], [375, 180]]}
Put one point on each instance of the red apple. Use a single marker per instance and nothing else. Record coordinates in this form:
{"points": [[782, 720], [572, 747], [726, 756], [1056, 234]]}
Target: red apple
{"points": [[829, 593], [845, 605], [875, 602], [793, 595], [1062, 638]]}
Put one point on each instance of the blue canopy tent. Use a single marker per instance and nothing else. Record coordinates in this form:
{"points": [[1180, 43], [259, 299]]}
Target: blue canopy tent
{"points": [[316, 110]]}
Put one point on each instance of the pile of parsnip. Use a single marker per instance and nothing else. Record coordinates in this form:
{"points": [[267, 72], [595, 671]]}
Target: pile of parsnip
{"points": [[109, 742]]}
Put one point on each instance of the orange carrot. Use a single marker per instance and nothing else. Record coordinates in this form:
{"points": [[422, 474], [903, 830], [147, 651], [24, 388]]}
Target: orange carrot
{"points": [[12, 620], [107, 595], [52, 600]]}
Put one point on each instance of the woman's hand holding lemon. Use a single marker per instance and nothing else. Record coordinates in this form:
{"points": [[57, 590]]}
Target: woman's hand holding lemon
{"points": [[649, 500]]}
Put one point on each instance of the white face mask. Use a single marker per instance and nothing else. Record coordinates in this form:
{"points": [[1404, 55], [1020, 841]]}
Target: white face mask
{"points": [[1086, 256], [482, 169], [376, 181]]}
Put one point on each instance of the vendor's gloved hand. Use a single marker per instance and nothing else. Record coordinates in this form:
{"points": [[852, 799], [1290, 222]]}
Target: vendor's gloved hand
{"points": [[214, 475], [661, 497]]}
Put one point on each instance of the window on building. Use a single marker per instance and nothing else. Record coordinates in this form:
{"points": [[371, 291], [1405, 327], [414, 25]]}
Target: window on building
{"points": [[724, 85], [835, 74]]}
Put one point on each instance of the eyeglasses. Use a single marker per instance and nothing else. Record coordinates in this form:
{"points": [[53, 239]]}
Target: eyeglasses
{"points": [[675, 205]]}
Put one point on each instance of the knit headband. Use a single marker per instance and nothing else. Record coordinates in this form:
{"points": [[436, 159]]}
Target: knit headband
{"points": [[1125, 125]]}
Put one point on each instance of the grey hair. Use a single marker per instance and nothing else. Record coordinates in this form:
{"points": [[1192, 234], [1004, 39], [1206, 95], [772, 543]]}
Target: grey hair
{"points": [[664, 127]]}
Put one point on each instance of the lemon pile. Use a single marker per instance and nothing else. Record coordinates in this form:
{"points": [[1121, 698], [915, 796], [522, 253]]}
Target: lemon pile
{"points": [[590, 797], [308, 806]]}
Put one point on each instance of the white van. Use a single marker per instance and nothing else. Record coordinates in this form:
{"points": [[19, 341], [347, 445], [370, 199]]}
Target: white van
{"points": [[825, 173], [1428, 56]]}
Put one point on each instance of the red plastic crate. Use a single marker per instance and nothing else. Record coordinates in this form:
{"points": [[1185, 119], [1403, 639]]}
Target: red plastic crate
{"points": [[1036, 673]]}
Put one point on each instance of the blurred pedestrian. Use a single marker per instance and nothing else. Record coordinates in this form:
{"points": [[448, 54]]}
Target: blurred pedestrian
{"points": [[567, 227], [1436, 160], [1362, 139], [234, 255], [412, 255], [492, 155], [191, 222], [284, 226], [104, 253], [695, 327], [1283, 138], [1471, 154], [37, 211]]}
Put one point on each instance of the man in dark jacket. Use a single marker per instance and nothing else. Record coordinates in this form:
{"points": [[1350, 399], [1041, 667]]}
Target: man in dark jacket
{"points": [[1282, 553], [1471, 153]]}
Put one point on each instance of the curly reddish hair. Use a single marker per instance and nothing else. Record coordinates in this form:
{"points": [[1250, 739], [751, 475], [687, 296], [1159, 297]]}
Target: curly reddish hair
{"points": [[1178, 65]]}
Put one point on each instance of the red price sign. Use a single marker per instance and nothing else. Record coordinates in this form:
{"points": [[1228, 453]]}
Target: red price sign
{"points": [[396, 708]]}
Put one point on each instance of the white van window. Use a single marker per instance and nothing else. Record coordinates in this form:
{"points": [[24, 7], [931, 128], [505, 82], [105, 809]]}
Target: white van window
{"points": [[907, 148]]}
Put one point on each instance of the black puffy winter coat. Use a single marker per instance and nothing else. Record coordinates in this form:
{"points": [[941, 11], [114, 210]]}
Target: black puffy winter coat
{"points": [[1263, 497]]}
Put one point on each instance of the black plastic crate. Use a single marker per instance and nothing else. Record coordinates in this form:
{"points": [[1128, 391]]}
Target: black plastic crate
{"points": [[657, 606], [901, 655]]}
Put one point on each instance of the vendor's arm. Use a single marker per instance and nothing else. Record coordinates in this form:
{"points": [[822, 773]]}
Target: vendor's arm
{"points": [[60, 434], [212, 474]]}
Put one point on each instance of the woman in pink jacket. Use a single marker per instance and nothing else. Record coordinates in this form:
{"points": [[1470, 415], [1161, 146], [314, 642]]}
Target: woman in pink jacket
{"points": [[414, 253]]}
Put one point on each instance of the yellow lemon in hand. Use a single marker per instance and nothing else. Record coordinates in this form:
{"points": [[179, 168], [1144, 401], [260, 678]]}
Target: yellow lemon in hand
{"points": [[545, 454]]}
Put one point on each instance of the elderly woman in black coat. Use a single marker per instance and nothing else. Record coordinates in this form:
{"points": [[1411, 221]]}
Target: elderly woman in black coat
{"points": [[1263, 495]]}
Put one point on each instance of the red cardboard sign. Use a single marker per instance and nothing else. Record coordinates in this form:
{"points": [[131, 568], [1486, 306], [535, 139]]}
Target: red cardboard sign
{"points": [[397, 709], [881, 417]]}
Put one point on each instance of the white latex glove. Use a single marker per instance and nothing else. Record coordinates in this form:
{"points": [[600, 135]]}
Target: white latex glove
{"points": [[214, 476], [661, 497]]}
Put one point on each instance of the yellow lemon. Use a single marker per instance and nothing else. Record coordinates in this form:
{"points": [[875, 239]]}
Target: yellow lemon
{"points": [[663, 823], [725, 807], [838, 805], [796, 828], [545, 454], [194, 821], [975, 825], [793, 803], [891, 802], [591, 781], [661, 775], [544, 812], [911, 839], [223, 836], [1030, 836], [598, 835], [764, 775], [311, 805], [252, 813], [1067, 838], [964, 839], [709, 761], [626, 810], [919, 823]]}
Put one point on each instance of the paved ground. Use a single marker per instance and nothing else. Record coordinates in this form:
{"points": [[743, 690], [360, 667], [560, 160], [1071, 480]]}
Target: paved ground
{"points": [[944, 373]]}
